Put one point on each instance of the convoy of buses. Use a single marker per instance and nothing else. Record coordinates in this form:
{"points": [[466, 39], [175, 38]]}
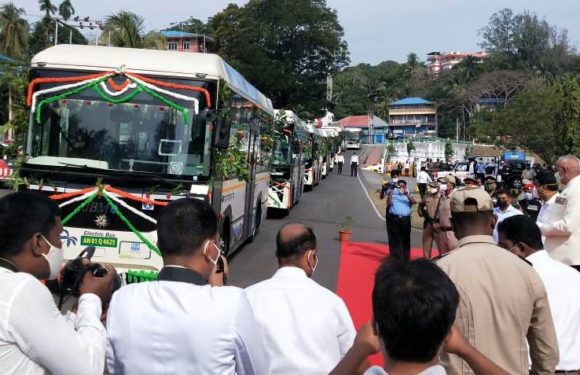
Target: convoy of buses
{"points": [[117, 133]]}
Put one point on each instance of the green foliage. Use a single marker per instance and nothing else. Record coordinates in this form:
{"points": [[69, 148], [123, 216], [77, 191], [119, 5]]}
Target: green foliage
{"points": [[192, 25], [410, 148], [346, 225], [232, 162], [126, 29], [286, 48], [66, 10], [569, 116], [42, 36], [13, 31], [448, 149], [47, 7], [13, 88]]}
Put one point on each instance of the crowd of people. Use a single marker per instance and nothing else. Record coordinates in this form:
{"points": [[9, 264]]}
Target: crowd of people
{"points": [[503, 304]]}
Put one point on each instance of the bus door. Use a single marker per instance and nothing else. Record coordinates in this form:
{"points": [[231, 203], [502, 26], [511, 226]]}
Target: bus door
{"points": [[253, 148]]}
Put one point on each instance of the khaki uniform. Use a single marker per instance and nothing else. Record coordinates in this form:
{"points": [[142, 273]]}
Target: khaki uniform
{"points": [[429, 208], [502, 302], [444, 237]]}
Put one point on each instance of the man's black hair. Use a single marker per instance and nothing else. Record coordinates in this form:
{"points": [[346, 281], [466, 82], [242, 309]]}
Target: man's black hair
{"points": [[22, 215], [414, 306], [502, 191], [402, 182], [521, 228], [395, 173], [296, 245], [184, 225]]}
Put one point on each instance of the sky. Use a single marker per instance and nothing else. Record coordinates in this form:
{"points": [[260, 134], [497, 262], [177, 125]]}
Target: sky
{"points": [[375, 30]]}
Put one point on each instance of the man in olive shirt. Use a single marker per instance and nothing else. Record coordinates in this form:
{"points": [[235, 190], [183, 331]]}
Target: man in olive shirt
{"points": [[502, 299]]}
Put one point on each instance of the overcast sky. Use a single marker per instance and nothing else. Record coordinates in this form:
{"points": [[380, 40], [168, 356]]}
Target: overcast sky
{"points": [[376, 30]]}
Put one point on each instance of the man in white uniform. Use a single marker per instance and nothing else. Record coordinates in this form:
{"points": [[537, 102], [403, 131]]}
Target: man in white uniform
{"points": [[306, 328], [354, 165], [521, 236], [35, 338], [562, 231], [180, 324]]}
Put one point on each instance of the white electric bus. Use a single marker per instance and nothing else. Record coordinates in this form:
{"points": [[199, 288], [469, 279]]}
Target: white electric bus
{"points": [[352, 138], [117, 133], [312, 159], [287, 173]]}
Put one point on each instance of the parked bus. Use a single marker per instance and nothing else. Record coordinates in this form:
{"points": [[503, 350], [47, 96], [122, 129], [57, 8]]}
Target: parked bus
{"points": [[312, 159], [287, 181], [117, 133], [352, 138], [326, 139]]}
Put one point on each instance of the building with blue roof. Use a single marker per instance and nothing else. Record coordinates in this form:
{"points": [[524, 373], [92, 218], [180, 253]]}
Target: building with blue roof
{"points": [[187, 42], [412, 116]]}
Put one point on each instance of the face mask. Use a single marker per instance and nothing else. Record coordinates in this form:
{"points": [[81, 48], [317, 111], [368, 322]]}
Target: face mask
{"points": [[395, 180], [443, 188], [315, 264], [528, 196], [214, 261], [55, 258], [434, 191]]}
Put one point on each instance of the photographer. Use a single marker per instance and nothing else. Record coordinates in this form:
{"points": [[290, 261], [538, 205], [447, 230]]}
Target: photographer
{"points": [[35, 338]]}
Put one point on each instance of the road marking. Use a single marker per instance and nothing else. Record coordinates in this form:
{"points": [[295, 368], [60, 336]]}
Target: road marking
{"points": [[369, 198]]}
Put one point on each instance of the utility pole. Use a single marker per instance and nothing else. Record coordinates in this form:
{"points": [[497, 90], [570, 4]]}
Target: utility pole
{"points": [[456, 129], [55, 31]]}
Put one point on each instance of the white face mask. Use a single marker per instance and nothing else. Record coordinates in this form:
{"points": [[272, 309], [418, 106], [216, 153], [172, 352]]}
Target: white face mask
{"points": [[55, 258], [395, 180], [214, 261], [315, 264], [528, 196], [443, 188], [434, 190], [558, 178]]}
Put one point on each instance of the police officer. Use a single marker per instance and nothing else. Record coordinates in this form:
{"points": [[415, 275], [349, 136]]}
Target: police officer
{"points": [[427, 209], [530, 205], [490, 185]]}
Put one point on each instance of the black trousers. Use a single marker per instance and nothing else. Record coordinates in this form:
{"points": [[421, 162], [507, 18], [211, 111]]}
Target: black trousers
{"points": [[339, 168], [422, 189], [399, 233], [353, 169]]}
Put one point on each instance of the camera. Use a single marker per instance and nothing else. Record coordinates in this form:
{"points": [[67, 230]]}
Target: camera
{"points": [[74, 271]]}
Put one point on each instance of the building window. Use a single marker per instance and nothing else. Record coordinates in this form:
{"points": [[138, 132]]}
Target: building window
{"points": [[172, 46], [186, 45]]}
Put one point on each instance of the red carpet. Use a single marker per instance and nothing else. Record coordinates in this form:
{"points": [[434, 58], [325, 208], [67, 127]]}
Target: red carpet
{"points": [[356, 276]]}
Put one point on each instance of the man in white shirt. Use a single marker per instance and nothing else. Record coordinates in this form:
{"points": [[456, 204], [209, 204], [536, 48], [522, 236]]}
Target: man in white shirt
{"points": [[354, 165], [423, 179], [306, 328], [562, 231], [180, 324], [411, 339], [521, 236], [503, 210], [35, 338], [547, 189], [340, 162]]}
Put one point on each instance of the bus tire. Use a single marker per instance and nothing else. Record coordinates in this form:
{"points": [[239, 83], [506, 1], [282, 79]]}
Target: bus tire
{"points": [[225, 237], [256, 226]]}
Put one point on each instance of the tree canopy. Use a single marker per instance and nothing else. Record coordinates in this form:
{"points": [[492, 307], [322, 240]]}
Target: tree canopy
{"points": [[287, 48]]}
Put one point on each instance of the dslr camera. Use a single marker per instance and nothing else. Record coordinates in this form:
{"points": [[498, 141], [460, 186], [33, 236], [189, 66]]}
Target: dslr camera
{"points": [[74, 271]]}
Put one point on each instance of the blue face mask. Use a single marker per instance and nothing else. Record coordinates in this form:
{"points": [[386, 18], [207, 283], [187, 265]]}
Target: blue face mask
{"points": [[528, 196]]}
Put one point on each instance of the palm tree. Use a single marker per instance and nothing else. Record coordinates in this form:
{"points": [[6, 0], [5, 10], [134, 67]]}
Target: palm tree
{"points": [[13, 31], [66, 10], [47, 7], [123, 29]]}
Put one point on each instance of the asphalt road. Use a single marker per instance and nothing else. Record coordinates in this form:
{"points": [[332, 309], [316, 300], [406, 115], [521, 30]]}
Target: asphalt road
{"points": [[322, 209]]}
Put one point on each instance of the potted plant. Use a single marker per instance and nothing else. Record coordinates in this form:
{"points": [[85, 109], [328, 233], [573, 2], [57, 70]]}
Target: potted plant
{"points": [[345, 229]]}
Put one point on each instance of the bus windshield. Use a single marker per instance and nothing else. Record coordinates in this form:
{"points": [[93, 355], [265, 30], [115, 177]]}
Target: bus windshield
{"points": [[352, 136], [143, 135], [281, 156]]}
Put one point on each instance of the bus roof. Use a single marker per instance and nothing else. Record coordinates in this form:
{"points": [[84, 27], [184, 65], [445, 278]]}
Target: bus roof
{"points": [[149, 61]]}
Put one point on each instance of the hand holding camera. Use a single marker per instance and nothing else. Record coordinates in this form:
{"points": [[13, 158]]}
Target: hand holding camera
{"points": [[99, 280]]}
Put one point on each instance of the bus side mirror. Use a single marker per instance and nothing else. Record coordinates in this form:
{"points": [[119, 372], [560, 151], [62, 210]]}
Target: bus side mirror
{"points": [[221, 135]]}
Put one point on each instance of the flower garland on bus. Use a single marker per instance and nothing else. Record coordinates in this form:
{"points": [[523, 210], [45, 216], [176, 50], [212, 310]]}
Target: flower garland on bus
{"points": [[86, 196], [116, 93]]}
